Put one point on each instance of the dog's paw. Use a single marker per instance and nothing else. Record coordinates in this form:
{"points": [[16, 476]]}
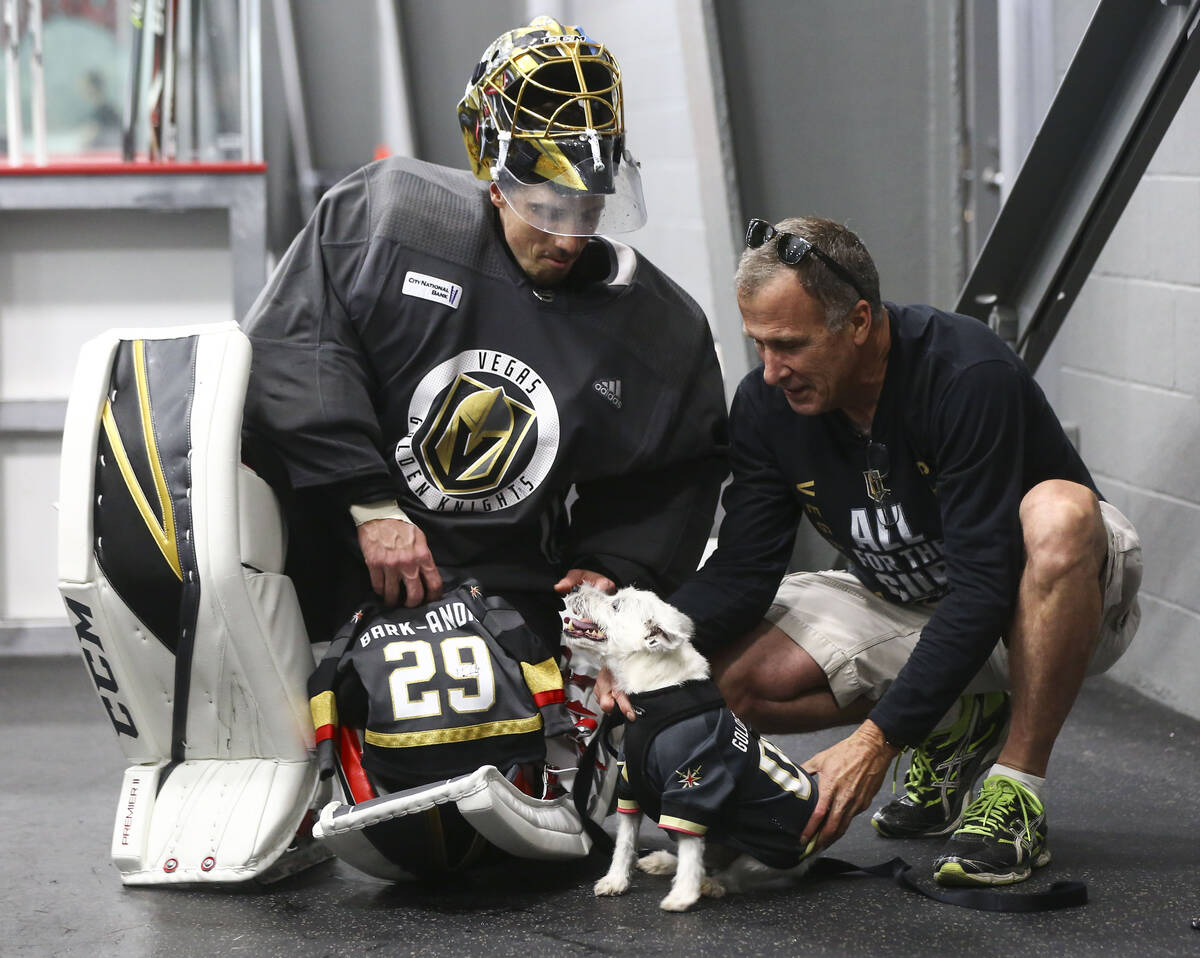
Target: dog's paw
{"points": [[611, 885], [678, 900], [712, 887], [658, 863]]}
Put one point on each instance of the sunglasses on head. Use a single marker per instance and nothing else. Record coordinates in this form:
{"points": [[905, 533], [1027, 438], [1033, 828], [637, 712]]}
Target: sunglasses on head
{"points": [[792, 249]]}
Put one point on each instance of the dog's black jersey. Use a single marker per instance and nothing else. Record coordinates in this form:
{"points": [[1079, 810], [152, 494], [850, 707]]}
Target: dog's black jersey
{"points": [[709, 774], [440, 690]]}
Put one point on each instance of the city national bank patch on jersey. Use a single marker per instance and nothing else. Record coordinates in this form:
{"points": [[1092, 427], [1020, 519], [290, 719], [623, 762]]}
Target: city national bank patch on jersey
{"points": [[483, 433], [431, 288]]}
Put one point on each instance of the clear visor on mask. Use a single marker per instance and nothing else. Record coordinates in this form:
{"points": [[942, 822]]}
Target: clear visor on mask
{"points": [[578, 203]]}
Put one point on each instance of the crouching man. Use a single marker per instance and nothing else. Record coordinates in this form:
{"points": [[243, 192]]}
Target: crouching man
{"points": [[986, 576]]}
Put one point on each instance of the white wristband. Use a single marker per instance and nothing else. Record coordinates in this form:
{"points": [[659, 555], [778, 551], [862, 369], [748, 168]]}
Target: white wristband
{"points": [[384, 509]]}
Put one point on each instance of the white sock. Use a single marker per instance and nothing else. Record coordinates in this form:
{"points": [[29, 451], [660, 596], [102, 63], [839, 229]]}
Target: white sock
{"points": [[1031, 782]]}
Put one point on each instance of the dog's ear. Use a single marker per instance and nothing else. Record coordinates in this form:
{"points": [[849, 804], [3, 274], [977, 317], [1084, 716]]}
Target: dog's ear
{"points": [[657, 639], [669, 629]]}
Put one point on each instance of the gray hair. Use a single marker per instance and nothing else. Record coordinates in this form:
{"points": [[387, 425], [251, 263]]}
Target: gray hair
{"points": [[758, 267]]}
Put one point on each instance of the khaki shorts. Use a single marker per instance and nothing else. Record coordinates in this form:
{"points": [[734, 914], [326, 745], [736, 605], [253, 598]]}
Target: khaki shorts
{"points": [[862, 641]]}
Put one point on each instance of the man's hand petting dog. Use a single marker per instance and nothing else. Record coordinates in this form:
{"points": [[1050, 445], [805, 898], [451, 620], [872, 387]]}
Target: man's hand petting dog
{"points": [[610, 697], [851, 773], [574, 578]]}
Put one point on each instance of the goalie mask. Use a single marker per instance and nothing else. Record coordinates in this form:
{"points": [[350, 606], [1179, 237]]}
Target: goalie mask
{"points": [[543, 119]]}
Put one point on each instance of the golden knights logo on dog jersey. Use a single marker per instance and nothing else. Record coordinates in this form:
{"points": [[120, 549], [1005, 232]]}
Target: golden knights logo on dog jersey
{"points": [[483, 433]]}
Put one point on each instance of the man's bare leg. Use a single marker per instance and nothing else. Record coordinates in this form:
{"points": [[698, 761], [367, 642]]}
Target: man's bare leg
{"points": [[1057, 621], [777, 687]]}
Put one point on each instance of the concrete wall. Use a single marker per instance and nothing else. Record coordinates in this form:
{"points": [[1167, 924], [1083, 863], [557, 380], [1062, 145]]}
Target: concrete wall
{"points": [[849, 109], [1126, 369]]}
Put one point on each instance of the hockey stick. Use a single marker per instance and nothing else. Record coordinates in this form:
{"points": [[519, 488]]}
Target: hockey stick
{"points": [[39, 83], [169, 124], [194, 76], [137, 14], [12, 81], [158, 25]]}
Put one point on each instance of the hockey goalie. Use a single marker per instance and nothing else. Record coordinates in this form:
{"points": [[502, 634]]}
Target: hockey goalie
{"points": [[170, 565], [472, 380]]}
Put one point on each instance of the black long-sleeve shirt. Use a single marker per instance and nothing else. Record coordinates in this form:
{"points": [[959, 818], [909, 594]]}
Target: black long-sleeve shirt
{"points": [[967, 432]]}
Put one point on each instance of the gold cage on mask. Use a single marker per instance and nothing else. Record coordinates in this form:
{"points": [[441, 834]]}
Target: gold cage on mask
{"points": [[552, 87]]}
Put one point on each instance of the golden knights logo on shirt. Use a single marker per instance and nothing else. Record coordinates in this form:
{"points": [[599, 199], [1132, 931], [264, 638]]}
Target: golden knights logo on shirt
{"points": [[483, 433], [475, 436], [876, 484]]}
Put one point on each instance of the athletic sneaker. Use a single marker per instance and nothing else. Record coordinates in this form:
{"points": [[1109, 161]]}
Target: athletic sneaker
{"points": [[944, 768], [1002, 838]]}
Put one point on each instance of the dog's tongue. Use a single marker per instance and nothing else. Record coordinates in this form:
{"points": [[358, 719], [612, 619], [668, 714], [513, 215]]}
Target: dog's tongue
{"points": [[582, 626]]}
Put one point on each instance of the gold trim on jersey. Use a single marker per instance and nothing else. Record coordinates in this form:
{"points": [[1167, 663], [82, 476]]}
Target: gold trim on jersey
{"points": [[543, 677], [444, 736], [162, 532], [323, 707], [681, 825]]}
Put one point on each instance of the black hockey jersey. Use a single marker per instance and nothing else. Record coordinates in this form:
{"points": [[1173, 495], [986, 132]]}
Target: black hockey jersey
{"points": [[439, 690], [707, 773], [400, 351]]}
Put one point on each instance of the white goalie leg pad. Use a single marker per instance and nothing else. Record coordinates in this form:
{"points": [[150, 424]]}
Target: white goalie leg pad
{"points": [[338, 818], [522, 825], [211, 821], [517, 823], [170, 564], [345, 827]]}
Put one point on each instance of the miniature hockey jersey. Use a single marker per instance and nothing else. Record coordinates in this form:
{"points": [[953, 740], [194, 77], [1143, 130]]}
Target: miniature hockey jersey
{"points": [[439, 690], [692, 765]]}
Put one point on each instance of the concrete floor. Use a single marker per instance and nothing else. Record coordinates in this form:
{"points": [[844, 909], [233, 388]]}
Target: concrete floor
{"points": [[1124, 818]]}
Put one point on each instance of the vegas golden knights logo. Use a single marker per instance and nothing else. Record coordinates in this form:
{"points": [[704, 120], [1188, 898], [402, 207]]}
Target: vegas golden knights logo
{"points": [[876, 484], [475, 435], [483, 433]]}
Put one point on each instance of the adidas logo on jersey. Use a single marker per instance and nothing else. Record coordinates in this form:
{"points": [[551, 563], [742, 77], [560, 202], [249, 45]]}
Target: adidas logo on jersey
{"points": [[610, 389]]}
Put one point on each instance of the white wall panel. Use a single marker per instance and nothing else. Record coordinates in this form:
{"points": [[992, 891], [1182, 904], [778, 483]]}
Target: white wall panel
{"points": [[28, 524], [64, 277]]}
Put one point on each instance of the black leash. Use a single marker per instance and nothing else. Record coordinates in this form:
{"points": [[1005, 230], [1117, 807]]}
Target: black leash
{"points": [[1062, 894], [585, 777]]}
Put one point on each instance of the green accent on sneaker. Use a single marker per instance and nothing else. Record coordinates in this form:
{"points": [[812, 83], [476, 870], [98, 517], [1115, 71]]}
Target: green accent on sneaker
{"points": [[944, 768], [1002, 838]]}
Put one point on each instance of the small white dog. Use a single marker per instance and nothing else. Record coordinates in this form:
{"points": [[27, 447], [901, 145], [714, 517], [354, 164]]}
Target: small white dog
{"points": [[688, 761]]}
